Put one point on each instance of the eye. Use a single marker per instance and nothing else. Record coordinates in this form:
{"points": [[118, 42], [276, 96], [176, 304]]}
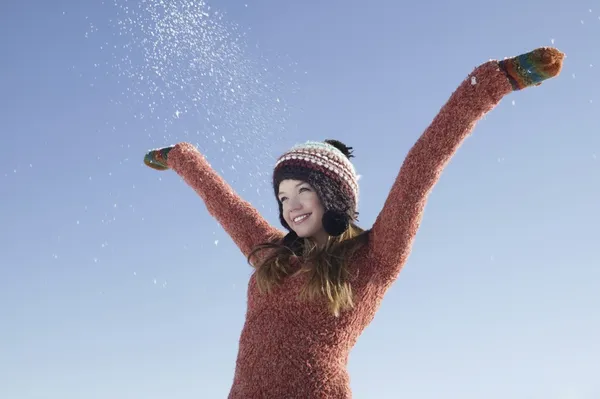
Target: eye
{"points": [[304, 188], [282, 199]]}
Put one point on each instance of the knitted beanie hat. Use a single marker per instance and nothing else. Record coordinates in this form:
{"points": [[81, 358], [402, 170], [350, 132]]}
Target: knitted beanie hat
{"points": [[327, 168]]}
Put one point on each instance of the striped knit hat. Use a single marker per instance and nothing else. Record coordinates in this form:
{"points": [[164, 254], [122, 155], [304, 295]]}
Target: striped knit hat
{"points": [[327, 168]]}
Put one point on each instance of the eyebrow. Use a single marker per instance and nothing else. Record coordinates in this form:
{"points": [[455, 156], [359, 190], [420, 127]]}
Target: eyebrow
{"points": [[299, 184]]}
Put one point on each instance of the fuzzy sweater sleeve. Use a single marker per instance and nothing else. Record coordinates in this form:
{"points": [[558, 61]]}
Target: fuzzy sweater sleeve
{"points": [[238, 218], [395, 227]]}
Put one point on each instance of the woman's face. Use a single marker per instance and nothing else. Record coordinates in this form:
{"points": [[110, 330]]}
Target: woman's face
{"points": [[302, 209]]}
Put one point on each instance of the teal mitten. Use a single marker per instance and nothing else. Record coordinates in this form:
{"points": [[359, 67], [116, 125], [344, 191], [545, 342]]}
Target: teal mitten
{"points": [[157, 159], [532, 68]]}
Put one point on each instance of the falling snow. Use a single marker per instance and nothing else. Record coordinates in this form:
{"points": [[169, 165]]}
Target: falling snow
{"points": [[183, 59], [185, 72]]}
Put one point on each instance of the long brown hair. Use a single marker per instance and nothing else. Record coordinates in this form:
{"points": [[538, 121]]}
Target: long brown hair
{"points": [[329, 271]]}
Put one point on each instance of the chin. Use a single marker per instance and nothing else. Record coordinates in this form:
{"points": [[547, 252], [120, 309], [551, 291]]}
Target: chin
{"points": [[303, 234], [305, 231]]}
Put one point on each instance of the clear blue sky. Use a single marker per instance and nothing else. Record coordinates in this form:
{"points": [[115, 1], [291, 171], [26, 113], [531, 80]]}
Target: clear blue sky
{"points": [[116, 283]]}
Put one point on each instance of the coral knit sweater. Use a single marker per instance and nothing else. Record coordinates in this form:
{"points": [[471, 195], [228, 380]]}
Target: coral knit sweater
{"points": [[293, 349]]}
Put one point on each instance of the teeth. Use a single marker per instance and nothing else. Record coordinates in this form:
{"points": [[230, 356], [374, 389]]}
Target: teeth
{"points": [[299, 218]]}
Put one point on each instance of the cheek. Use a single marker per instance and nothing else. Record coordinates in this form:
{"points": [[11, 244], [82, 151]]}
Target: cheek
{"points": [[315, 204], [285, 212]]}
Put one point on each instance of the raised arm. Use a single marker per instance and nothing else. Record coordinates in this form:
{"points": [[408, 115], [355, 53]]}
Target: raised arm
{"points": [[394, 230], [239, 218]]}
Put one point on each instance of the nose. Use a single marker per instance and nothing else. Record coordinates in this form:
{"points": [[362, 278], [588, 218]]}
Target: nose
{"points": [[294, 204]]}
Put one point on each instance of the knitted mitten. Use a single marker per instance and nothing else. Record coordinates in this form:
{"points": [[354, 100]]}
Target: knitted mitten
{"points": [[157, 159], [530, 69]]}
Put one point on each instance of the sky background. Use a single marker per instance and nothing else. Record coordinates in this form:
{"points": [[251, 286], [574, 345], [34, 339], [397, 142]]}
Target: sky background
{"points": [[116, 283]]}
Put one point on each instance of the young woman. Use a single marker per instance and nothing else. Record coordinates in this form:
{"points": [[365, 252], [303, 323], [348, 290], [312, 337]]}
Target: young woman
{"points": [[316, 287]]}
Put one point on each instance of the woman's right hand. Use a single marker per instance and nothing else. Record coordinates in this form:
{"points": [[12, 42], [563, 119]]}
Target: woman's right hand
{"points": [[157, 159]]}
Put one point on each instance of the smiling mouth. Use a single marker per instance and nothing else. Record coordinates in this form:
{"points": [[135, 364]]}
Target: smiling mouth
{"points": [[301, 218]]}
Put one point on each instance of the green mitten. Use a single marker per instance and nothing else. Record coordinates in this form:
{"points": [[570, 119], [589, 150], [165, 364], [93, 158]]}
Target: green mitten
{"points": [[532, 68], [157, 159]]}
